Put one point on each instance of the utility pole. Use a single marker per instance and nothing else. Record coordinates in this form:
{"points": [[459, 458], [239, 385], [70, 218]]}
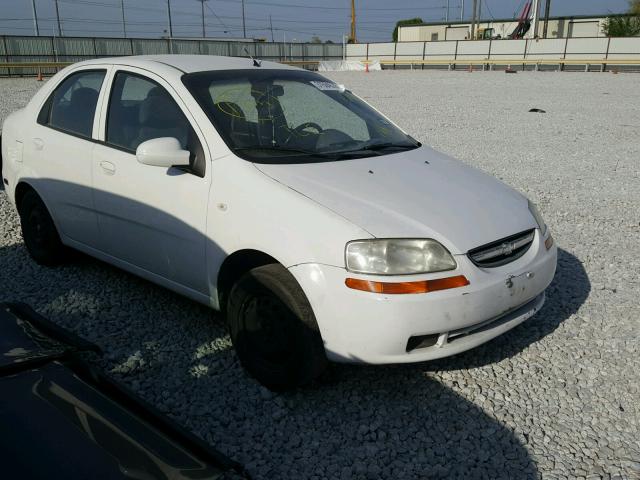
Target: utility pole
{"points": [[271, 27], [124, 24], [204, 31], [446, 15], [244, 27], [35, 17], [170, 22], [58, 18], [473, 19], [462, 12], [536, 17], [353, 21], [546, 18]]}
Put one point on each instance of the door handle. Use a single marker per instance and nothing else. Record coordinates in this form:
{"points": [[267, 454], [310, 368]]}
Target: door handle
{"points": [[108, 167], [38, 143]]}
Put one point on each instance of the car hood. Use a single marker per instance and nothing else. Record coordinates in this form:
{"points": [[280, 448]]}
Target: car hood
{"points": [[416, 194]]}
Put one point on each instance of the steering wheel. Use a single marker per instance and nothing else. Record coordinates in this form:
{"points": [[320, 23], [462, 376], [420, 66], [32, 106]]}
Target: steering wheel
{"points": [[297, 132], [306, 125]]}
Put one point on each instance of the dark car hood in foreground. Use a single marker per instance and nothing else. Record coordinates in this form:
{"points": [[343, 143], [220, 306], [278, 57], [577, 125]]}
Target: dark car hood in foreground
{"points": [[61, 418]]}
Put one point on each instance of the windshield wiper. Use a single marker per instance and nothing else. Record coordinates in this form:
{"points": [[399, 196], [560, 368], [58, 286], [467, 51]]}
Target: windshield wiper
{"points": [[376, 146], [277, 148]]}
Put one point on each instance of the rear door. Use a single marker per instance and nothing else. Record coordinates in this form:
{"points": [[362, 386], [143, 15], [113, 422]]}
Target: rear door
{"points": [[61, 147], [150, 217]]}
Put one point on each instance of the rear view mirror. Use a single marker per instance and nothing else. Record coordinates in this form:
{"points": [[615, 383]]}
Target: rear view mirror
{"points": [[162, 152], [277, 91]]}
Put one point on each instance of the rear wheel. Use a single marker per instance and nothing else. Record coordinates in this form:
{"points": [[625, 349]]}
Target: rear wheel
{"points": [[39, 232], [274, 330]]}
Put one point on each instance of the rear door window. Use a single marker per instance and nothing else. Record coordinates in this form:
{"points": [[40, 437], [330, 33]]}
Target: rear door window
{"points": [[71, 107]]}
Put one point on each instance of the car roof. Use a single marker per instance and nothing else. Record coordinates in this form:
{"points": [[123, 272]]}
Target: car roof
{"points": [[188, 63]]}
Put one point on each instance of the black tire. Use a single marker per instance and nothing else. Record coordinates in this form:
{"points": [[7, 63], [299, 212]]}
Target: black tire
{"points": [[274, 330], [39, 232]]}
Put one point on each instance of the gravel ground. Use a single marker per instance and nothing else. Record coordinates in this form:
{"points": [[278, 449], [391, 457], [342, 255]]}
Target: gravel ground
{"points": [[556, 397]]}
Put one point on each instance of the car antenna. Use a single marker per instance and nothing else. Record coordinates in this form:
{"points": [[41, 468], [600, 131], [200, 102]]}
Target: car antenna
{"points": [[256, 63]]}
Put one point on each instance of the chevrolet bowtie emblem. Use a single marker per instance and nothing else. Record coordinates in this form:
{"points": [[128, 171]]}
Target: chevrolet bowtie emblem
{"points": [[507, 248]]}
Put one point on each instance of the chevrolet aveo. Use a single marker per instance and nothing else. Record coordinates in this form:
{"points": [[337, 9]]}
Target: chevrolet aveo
{"points": [[321, 229]]}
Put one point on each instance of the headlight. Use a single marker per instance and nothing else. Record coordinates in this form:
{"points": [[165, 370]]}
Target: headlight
{"points": [[538, 216], [397, 257]]}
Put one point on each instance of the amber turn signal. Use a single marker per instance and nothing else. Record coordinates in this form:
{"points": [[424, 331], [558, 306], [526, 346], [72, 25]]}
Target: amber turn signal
{"points": [[394, 288], [548, 243]]}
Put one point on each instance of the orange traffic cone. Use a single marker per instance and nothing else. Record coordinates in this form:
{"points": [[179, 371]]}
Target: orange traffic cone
{"points": [[39, 77], [366, 67], [470, 68]]}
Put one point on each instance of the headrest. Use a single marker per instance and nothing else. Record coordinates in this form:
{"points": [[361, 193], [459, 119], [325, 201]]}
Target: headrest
{"points": [[159, 110], [84, 95]]}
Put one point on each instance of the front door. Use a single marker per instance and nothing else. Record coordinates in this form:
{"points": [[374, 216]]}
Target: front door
{"points": [[151, 217]]}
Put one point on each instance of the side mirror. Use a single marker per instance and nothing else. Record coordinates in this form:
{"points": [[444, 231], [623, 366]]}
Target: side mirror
{"points": [[162, 152]]}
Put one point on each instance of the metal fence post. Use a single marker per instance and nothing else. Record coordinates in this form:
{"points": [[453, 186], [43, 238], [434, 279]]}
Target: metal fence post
{"points": [[455, 55], [95, 50], [395, 49], [6, 52], [53, 49], [424, 50], [489, 55], [564, 54], [606, 56]]}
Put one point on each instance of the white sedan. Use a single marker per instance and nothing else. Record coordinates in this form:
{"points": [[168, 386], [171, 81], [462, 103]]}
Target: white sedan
{"points": [[320, 228]]}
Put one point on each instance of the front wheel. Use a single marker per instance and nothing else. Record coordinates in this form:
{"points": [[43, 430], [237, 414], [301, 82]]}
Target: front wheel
{"points": [[274, 330]]}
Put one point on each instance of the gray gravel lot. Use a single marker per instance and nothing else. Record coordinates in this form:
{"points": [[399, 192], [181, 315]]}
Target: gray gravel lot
{"points": [[557, 397]]}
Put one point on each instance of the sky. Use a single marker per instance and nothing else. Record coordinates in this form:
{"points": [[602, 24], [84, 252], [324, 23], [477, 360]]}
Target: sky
{"points": [[291, 20]]}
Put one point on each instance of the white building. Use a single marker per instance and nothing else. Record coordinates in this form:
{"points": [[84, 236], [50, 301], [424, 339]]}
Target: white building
{"points": [[559, 27]]}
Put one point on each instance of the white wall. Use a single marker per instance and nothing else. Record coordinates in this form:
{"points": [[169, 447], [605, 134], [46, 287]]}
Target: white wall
{"points": [[539, 49]]}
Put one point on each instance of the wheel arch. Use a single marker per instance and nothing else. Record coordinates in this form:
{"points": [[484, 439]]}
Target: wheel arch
{"points": [[236, 265], [21, 189]]}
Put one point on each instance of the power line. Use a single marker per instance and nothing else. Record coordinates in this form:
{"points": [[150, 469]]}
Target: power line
{"points": [[216, 15], [315, 7], [372, 22], [283, 5], [486, 4]]}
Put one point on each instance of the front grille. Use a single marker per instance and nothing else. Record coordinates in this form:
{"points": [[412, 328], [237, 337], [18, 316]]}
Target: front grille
{"points": [[502, 251]]}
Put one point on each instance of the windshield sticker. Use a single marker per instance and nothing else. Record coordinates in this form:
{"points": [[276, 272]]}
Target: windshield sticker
{"points": [[325, 85]]}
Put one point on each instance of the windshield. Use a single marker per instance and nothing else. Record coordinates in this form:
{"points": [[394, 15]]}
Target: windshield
{"points": [[292, 116]]}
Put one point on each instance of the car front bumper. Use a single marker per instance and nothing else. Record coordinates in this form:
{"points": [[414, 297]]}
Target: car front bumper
{"points": [[364, 327]]}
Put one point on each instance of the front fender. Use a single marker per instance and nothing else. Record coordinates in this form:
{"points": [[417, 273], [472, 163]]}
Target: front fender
{"points": [[249, 210]]}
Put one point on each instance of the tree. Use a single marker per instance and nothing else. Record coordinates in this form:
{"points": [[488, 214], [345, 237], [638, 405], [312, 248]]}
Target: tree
{"points": [[402, 23], [623, 26], [316, 39]]}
